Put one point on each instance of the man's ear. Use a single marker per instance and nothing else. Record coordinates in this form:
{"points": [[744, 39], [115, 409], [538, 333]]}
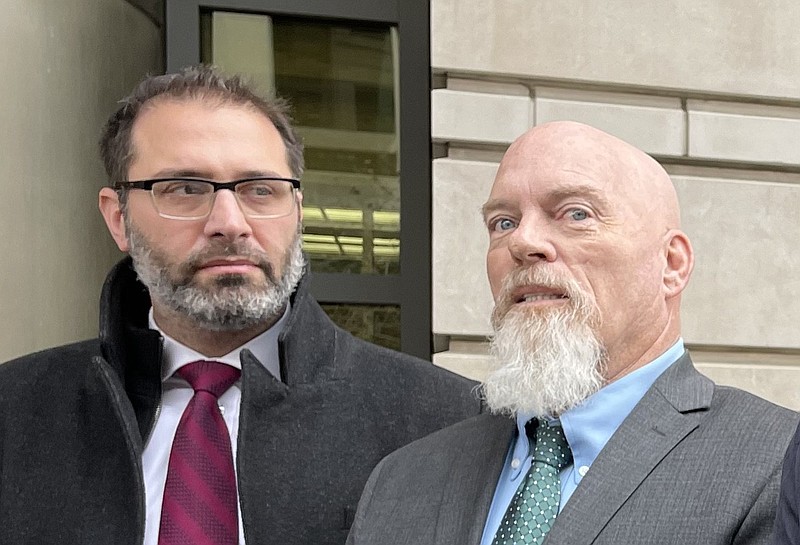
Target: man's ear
{"points": [[679, 262], [109, 205]]}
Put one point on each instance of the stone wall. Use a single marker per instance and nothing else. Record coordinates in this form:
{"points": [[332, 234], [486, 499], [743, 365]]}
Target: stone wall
{"points": [[710, 89]]}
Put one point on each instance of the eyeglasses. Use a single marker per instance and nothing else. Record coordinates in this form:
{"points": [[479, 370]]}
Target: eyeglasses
{"points": [[193, 198]]}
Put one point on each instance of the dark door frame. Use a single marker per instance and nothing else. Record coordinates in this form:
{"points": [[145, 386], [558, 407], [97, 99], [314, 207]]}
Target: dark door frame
{"points": [[411, 289]]}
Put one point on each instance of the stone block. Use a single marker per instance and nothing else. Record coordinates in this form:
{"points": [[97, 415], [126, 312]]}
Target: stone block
{"points": [[656, 125], [462, 300], [750, 133], [745, 284], [772, 376], [488, 86], [472, 366], [731, 47], [478, 117]]}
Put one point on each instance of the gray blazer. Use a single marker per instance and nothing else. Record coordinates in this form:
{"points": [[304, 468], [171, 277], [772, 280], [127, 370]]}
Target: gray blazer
{"points": [[694, 463]]}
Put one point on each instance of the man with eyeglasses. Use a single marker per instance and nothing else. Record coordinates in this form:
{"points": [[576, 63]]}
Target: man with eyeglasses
{"points": [[219, 404]]}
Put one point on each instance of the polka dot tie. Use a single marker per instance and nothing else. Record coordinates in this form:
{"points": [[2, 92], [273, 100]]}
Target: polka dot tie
{"points": [[534, 507]]}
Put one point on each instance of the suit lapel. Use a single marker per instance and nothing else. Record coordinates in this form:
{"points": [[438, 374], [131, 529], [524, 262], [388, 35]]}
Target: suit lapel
{"points": [[471, 481], [667, 413]]}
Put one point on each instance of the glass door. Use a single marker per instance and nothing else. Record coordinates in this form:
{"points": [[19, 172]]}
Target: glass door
{"points": [[342, 69]]}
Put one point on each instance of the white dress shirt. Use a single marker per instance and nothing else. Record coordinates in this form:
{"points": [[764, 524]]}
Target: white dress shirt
{"points": [[175, 396]]}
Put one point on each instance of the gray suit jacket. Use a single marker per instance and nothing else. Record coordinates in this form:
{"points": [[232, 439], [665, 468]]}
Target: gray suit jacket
{"points": [[694, 463]]}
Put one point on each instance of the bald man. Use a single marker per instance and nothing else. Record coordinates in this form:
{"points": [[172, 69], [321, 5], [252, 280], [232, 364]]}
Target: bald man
{"points": [[601, 430]]}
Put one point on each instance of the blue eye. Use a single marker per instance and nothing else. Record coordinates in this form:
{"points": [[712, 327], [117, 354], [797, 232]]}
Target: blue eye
{"points": [[503, 224], [578, 214]]}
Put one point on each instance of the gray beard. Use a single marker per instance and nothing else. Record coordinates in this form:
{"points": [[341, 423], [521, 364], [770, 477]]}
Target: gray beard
{"points": [[546, 361], [232, 302]]}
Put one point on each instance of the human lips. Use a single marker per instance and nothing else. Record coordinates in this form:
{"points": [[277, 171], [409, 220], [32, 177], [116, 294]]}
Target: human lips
{"points": [[228, 265], [537, 295]]}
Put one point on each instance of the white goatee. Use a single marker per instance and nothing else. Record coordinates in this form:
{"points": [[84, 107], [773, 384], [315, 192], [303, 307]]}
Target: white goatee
{"points": [[547, 359]]}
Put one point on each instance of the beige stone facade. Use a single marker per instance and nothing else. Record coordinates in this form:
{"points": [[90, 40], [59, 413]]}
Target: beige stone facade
{"points": [[710, 89], [66, 63]]}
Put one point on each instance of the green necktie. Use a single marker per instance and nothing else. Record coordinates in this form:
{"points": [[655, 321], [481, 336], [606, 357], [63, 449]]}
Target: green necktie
{"points": [[534, 507]]}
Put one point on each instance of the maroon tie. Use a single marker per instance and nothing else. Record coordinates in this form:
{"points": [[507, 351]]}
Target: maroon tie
{"points": [[200, 494]]}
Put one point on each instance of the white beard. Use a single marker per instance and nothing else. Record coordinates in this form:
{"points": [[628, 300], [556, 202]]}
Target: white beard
{"points": [[546, 360]]}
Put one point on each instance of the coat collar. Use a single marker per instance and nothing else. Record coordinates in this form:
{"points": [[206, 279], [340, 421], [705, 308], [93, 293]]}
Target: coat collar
{"points": [[461, 519], [308, 342], [670, 410], [134, 351]]}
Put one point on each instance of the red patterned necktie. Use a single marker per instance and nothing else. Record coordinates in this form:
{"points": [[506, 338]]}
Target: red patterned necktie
{"points": [[200, 501]]}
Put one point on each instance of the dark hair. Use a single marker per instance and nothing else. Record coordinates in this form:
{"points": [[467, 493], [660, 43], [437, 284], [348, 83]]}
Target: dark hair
{"points": [[193, 82]]}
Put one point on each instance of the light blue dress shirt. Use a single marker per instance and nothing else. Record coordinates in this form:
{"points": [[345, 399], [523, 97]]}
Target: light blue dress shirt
{"points": [[587, 427]]}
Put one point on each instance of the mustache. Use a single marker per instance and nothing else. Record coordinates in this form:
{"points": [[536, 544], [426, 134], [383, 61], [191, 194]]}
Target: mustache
{"points": [[579, 302], [534, 276], [216, 250]]}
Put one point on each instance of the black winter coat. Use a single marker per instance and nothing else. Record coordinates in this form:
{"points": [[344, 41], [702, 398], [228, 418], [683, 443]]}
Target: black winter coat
{"points": [[74, 419]]}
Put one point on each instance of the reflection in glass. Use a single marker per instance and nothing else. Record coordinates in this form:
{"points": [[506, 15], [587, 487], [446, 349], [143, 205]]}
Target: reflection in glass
{"points": [[341, 80], [379, 324]]}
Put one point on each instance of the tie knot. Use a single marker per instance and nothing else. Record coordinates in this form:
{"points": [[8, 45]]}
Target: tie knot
{"points": [[209, 376], [551, 446]]}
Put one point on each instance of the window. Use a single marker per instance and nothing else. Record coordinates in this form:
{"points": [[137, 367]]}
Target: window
{"points": [[366, 203]]}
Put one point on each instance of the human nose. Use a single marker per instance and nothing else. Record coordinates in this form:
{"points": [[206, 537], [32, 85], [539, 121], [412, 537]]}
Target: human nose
{"points": [[531, 242], [227, 220]]}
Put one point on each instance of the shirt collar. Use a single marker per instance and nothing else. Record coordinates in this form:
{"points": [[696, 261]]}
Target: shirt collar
{"points": [[264, 347], [590, 425]]}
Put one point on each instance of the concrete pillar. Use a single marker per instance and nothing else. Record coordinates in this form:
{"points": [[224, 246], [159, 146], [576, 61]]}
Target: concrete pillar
{"points": [[65, 63]]}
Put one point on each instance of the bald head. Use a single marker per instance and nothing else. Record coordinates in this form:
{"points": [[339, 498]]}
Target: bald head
{"points": [[639, 180], [587, 207]]}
